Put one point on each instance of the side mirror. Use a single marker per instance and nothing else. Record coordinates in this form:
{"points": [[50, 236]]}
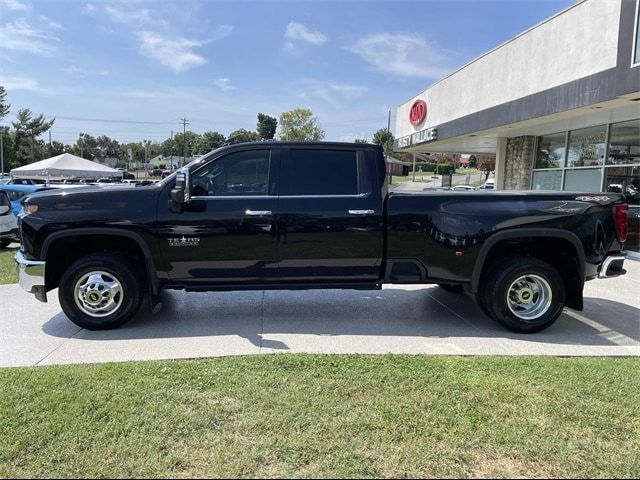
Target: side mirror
{"points": [[181, 192]]}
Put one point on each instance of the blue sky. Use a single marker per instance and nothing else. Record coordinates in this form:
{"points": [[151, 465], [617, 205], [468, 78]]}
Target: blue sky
{"points": [[220, 63]]}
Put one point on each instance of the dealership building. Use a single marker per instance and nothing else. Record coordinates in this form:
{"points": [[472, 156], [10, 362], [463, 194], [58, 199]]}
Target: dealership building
{"points": [[559, 105]]}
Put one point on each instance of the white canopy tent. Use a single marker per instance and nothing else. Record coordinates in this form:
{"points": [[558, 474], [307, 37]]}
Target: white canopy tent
{"points": [[65, 165]]}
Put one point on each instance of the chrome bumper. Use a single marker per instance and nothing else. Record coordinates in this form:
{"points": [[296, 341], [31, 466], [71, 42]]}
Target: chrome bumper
{"points": [[612, 266], [31, 276]]}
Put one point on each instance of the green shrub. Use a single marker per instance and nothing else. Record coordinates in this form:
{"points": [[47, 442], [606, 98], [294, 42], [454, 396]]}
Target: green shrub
{"points": [[444, 168]]}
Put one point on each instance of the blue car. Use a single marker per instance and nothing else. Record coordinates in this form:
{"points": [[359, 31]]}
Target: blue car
{"points": [[17, 193]]}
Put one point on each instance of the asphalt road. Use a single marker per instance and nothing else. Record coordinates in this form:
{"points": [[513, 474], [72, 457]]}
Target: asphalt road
{"points": [[413, 320]]}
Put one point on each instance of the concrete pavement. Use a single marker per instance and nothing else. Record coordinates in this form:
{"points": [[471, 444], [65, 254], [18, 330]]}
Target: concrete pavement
{"points": [[398, 319]]}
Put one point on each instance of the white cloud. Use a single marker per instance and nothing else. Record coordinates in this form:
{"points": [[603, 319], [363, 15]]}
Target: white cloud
{"points": [[89, 8], [20, 83], [50, 23], [300, 32], [405, 55], [19, 35], [16, 6], [174, 53], [334, 93], [223, 84]]}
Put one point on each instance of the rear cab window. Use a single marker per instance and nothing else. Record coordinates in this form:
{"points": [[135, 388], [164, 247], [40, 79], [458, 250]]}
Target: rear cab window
{"points": [[324, 172]]}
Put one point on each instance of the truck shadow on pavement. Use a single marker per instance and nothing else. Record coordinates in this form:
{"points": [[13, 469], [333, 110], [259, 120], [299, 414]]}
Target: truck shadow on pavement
{"points": [[424, 312]]}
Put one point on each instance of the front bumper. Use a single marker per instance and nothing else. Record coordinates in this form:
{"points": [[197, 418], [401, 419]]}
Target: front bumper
{"points": [[31, 276], [613, 266]]}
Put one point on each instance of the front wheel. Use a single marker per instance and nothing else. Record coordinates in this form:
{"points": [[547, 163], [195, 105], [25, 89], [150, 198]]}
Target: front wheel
{"points": [[100, 292], [524, 294]]}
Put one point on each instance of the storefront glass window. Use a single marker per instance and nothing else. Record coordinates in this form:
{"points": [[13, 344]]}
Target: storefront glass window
{"points": [[547, 180], [587, 147], [627, 180], [583, 180], [637, 51], [551, 151], [624, 143]]}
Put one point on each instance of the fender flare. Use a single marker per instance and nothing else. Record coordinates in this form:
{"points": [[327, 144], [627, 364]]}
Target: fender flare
{"points": [[154, 282], [526, 233]]}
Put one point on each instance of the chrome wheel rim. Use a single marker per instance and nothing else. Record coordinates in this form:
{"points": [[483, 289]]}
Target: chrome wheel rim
{"points": [[98, 294], [529, 297]]}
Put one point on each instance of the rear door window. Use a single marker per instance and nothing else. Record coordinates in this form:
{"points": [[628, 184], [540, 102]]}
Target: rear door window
{"points": [[319, 172]]}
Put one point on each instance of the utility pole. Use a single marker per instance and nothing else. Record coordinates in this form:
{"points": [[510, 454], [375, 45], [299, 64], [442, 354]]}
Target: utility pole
{"points": [[171, 151], [146, 161], [1, 151], [81, 146], [185, 122]]}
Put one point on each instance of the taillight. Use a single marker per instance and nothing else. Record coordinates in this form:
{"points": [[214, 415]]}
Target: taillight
{"points": [[621, 218]]}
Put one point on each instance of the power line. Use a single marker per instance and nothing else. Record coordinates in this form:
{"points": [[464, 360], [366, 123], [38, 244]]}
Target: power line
{"points": [[108, 120]]}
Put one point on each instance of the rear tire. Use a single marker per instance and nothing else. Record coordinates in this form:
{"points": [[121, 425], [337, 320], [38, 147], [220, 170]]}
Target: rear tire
{"points": [[101, 291], [524, 294]]}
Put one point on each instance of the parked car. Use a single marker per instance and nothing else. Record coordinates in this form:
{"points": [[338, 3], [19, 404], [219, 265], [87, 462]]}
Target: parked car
{"points": [[488, 185], [27, 181], [17, 193], [297, 215], [8, 222], [464, 188]]}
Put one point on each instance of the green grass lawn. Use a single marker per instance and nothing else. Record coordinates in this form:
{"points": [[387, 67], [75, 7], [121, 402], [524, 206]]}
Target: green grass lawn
{"points": [[324, 416], [8, 273]]}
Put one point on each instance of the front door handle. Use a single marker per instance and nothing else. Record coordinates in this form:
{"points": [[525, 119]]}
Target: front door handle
{"points": [[362, 212], [258, 213]]}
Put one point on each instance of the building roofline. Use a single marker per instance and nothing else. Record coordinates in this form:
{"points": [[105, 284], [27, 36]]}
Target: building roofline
{"points": [[524, 32]]}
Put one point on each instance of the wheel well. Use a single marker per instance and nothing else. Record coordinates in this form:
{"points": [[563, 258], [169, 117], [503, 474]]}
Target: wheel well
{"points": [[558, 252], [64, 251]]}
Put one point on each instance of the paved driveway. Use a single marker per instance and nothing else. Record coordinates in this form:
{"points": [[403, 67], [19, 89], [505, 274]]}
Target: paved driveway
{"points": [[396, 320]]}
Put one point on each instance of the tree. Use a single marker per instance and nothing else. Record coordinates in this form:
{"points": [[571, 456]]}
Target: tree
{"points": [[444, 158], [27, 148], [384, 139], [4, 106], [486, 163], [360, 140], [55, 148], [108, 147], [300, 125], [191, 142], [267, 126], [208, 141], [241, 135]]}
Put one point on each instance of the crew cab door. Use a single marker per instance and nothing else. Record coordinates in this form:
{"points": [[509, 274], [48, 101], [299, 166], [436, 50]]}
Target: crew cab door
{"points": [[329, 227], [224, 234]]}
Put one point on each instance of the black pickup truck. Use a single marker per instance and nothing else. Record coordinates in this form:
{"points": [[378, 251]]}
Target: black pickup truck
{"points": [[277, 215]]}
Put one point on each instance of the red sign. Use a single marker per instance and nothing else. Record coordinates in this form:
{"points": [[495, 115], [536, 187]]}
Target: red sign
{"points": [[418, 112]]}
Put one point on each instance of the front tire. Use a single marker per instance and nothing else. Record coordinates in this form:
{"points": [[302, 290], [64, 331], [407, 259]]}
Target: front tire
{"points": [[524, 294], [100, 292]]}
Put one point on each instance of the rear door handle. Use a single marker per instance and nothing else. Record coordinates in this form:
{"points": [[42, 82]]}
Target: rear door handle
{"points": [[258, 213], [362, 212]]}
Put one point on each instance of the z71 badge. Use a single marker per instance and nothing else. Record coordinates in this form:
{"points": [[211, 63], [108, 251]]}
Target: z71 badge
{"points": [[184, 242]]}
